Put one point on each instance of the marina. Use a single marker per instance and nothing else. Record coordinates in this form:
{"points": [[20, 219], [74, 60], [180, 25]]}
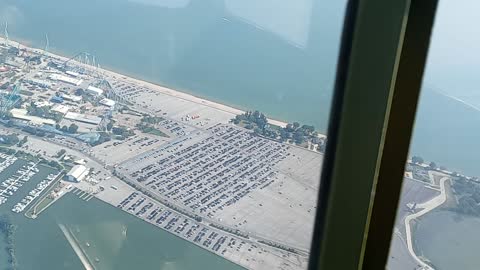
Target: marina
{"points": [[74, 213], [33, 194], [9, 186]]}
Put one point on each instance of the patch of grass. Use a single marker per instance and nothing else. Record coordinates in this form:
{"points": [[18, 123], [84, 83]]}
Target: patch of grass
{"points": [[157, 132], [26, 156], [26, 93], [43, 204], [451, 201], [7, 150]]}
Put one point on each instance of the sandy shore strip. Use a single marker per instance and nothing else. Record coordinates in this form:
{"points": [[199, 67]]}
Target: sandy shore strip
{"points": [[156, 87]]}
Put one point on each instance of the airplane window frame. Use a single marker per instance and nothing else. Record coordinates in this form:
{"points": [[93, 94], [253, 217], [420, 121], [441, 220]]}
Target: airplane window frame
{"points": [[379, 74]]}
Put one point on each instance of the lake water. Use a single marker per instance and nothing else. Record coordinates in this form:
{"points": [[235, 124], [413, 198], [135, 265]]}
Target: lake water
{"points": [[278, 57], [40, 243], [448, 240], [275, 57]]}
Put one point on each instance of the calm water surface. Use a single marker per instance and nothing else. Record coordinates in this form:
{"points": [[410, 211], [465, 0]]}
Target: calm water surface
{"points": [[40, 244], [449, 241], [272, 56]]}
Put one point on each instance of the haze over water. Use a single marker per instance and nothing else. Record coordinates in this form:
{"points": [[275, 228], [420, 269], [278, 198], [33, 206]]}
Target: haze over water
{"points": [[270, 55], [273, 56]]}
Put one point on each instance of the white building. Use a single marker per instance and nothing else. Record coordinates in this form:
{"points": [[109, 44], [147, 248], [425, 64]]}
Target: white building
{"points": [[107, 102], [72, 98], [41, 103], [40, 83], [77, 173], [89, 119], [92, 90], [60, 108], [71, 73], [22, 115], [65, 79]]}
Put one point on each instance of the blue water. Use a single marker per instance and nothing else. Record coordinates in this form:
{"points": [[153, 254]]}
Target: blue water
{"points": [[40, 244], [275, 56], [279, 59], [452, 244]]}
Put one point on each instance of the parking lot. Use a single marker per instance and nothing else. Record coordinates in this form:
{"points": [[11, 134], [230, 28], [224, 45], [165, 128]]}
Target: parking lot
{"points": [[239, 250], [212, 172]]}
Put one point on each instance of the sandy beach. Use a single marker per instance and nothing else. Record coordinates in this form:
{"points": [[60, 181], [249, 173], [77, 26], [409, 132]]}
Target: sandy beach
{"points": [[162, 89]]}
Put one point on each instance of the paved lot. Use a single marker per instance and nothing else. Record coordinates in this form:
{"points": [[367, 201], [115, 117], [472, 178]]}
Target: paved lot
{"points": [[245, 252], [241, 180]]}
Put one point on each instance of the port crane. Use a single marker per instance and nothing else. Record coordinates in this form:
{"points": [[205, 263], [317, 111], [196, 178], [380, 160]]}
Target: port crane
{"points": [[9, 99]]}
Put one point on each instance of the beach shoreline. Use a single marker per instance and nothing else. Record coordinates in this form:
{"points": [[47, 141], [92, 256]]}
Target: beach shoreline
{"points": [[154, 86]]}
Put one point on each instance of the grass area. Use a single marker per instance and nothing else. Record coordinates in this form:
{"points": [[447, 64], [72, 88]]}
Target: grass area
{"points": [[66, 166], [26, 93], [43, 204], [44, 201], [451, 201], [26, 156], [7, 150], [243, 123], [155, 131], [39, 206]]}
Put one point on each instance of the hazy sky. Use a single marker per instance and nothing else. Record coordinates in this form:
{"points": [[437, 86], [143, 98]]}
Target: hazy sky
{"points": [[454, 57]]}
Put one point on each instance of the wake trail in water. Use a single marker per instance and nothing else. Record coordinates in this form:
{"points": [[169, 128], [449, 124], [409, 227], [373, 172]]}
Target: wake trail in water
{"points": [[460, 100], [76, 248]]}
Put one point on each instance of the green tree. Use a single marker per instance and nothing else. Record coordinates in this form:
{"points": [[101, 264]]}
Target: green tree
{"points": [[72, 128], [298, 137], [283, 135], [308, 129], [61, 153], [289, 128], [417, 160], [79, 92], [249, 126], [433, 165], [23, 141]]}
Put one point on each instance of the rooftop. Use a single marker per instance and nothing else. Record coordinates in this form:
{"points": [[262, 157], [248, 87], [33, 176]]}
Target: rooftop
{"points": [[58, 77], [22, 114], [89, 119], [94, 90], [107, 102], [79, 172]]}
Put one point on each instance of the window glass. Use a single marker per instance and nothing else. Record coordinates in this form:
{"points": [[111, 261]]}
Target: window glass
{"points": [[163, 134], [438, 215]]}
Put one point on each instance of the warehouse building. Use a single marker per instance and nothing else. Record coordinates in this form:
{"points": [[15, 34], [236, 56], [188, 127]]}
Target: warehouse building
{"points": [[65, 79], [77, 173], [95, 91]]}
